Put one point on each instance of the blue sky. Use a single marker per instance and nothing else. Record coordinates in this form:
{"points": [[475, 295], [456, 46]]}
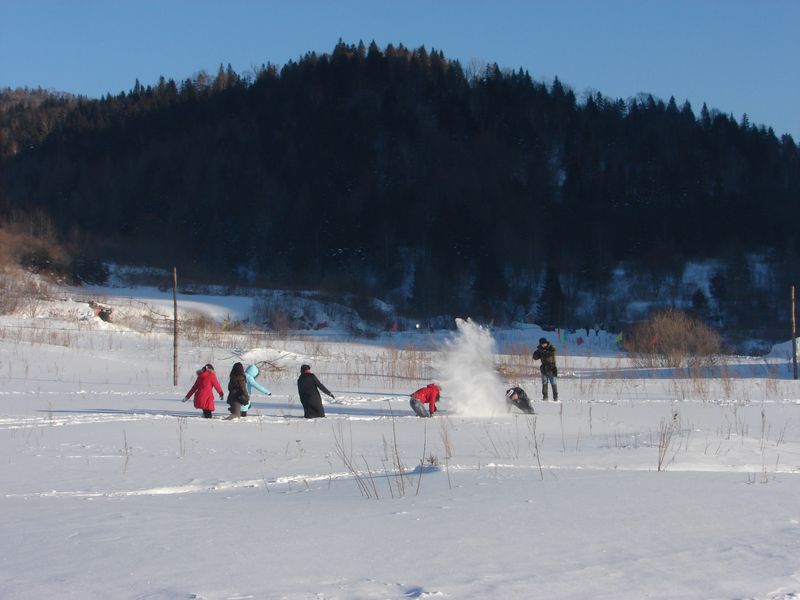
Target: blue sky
{"points": [[739, 56]]}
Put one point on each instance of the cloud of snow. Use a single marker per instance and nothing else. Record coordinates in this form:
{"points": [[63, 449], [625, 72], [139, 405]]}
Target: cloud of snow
{"points": [[470, 384]]}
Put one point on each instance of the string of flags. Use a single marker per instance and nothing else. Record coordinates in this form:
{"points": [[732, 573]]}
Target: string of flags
{"points": [[561, 336]]}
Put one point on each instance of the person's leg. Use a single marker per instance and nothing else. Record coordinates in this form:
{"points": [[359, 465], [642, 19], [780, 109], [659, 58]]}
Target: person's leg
{"points": [[544, 386], [207, 414], [236, 411], [418, 408], [554, 383], [315, 409]]}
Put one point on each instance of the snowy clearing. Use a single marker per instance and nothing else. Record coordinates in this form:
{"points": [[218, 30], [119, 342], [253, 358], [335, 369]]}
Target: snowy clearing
{"points": [[641, 483]]}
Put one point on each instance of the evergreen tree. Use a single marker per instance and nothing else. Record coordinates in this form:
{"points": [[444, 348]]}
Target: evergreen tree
{"points": [[552, 306], [344, 161]]}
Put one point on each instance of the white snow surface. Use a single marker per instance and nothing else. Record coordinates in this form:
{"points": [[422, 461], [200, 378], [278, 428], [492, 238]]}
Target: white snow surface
{"points": [[113, 488]]}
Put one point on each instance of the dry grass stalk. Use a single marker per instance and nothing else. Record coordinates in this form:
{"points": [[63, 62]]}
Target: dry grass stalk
{"points": [[666, 434], [533, 439], [346, 455]]}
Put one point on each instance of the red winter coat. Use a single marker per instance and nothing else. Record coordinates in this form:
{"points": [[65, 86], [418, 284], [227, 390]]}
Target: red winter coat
{"points": [[203, 392], [429, 394]]}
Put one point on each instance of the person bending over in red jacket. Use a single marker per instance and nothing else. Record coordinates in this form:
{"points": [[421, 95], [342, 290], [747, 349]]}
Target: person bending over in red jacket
{"points": [[428, 395]]}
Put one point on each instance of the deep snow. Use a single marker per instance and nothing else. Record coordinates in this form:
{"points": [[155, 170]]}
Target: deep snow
{"points": [[113, 488]]}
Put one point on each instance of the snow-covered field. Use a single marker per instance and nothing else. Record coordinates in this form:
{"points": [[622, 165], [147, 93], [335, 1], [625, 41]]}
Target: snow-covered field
{"points": [[641, 483]]}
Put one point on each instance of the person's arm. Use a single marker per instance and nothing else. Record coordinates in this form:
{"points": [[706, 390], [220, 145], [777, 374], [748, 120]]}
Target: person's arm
{"points": [[252, 381], [217, 386], [322, 387], [193, 390]]}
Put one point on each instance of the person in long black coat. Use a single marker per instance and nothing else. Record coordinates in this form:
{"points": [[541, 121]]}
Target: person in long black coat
{"points": [[308, 386], [237, 391]]}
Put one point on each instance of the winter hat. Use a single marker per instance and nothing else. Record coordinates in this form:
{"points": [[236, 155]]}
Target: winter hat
{"points": [[304, 368], [209, 367], [543, 341]]}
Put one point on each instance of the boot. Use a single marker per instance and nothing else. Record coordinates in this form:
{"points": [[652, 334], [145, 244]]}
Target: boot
{"points": [[555, 394], [544, 392]]}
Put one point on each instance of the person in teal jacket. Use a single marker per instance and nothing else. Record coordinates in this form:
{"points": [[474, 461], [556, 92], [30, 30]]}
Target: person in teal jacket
{"points": [[250, 373]]}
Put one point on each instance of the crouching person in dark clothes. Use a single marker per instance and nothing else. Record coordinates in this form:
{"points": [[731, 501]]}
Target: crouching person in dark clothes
{"points": [[308, 386], [516, 396]]}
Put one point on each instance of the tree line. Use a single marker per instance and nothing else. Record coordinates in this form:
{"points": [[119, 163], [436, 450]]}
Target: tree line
{"points": [[397, 173]]}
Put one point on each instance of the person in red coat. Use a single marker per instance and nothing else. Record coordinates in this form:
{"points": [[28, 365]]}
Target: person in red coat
{"points": [[428, 395], [203, 390]]}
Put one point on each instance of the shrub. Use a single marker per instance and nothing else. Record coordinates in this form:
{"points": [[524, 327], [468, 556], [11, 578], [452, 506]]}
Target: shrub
{"points": [[21, 292], [672, 338], [30, 242], [199, 327]]}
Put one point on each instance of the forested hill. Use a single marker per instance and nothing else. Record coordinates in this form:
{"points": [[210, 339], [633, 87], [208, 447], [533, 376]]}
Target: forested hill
{"points": [[376, 170]]}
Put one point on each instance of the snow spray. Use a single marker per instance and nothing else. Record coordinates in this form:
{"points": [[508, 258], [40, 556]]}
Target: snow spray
{"points": [[471, 385]]}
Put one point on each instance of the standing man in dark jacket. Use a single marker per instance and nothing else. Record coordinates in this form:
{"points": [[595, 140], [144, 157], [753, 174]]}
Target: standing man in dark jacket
{"points": [[308, 387], [546, 352]]}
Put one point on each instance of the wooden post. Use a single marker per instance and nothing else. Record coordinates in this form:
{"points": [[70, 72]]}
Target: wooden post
{"points": [[794, 337], [175, 326]]}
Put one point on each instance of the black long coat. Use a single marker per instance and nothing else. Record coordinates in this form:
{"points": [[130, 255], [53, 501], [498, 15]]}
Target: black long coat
{"points": [[308, 387], [237, 390]]}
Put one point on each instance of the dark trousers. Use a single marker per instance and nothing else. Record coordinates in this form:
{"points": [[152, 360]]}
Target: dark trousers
{"points": [[523, 405], [207, 414], [419, 408], [553, 380]]}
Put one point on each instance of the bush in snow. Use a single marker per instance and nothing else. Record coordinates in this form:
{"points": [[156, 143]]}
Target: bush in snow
{"points": [[672, 338], [22, 292]]}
